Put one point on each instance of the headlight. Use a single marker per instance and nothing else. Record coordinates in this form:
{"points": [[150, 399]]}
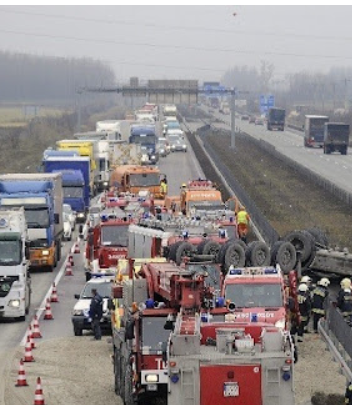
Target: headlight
{"points": [[184, 146], [173, 147], [14, 303], [152, 378], [280, 324], [162, 150], [105, 183], [78, 312], [80, 215], [153, 157], [45, 253]]}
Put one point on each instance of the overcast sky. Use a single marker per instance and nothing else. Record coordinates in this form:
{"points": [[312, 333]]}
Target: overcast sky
{"points": [[189, 42]]}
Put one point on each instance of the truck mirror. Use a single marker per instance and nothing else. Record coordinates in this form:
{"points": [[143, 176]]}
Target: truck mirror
{"points": [[76, 296], [56, 218], [164, 351], [27, 252], [129, 334]]}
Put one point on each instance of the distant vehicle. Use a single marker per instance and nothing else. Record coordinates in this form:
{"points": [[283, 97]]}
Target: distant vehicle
{"points": [[71, 215], [67, 227], [259, 121], [251, 119], [224, 108], [177, 144], [336, 137], [314, 130], [276, 119], [244, 118], [80, 314], [163, 147]]}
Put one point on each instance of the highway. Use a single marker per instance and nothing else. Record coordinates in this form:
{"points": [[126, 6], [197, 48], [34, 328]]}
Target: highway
{"points": [[335, 167]]}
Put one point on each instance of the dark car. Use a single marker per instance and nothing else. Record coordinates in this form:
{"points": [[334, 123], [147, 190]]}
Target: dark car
{"points": [[245, 118]]}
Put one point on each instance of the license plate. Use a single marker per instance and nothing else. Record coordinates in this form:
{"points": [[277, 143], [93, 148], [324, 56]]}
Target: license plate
{"points": [[152, 387], [231, 389]]}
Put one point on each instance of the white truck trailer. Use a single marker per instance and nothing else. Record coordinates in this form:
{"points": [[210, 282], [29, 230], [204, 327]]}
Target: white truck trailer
{"points": [[15, 282]]}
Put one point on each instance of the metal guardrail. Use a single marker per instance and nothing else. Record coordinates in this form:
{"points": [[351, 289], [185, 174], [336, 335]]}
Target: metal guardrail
{"points": [[267, 231], [338, 337]]}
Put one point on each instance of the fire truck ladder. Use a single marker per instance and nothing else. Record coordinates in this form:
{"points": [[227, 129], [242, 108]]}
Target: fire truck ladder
{"points": [[188, 386], [273, 385]]}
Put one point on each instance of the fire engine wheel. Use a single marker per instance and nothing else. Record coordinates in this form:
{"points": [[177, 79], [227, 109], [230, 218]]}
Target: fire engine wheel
{"points": [[128, 398], [319, 236], [209, 247], [172, 250], [234, 256], [222, 251], [185, 249], [117, 371], [284, 254], [303, 242], [242, 243], [258, 254]]}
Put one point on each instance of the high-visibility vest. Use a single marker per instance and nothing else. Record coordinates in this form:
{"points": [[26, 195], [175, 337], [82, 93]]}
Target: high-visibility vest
{"points": [[163, 188], [242, 217]]}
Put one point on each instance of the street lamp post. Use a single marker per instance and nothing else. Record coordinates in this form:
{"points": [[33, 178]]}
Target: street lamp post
{"points": [[233, 123]]}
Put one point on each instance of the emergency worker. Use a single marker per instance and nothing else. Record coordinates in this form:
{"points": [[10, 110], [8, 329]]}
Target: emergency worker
{"points": [[344, 299], [96, 313], [304, 304], [306, 280], [163, 187], [320, 293], [242, 223], [348, 394]]}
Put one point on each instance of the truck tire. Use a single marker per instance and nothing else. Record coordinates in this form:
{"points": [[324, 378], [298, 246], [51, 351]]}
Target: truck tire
{"points": [[258, 254], [242, 243], [184, 250], [58, 250], [284, 254], [319, 236], [235, 256], [172, 250], [128, 395], [117, 371], [77, 330], [302, 241], [344, 151], [200, 247], [211, 248]]}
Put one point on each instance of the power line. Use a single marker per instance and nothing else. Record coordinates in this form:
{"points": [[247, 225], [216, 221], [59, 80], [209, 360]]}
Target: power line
{"points": [[177, 27], [181, 47]]}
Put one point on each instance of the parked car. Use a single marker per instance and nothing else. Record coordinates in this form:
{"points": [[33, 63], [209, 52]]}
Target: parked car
{"points": [[71, 215], [244, 118], [80, 314]]}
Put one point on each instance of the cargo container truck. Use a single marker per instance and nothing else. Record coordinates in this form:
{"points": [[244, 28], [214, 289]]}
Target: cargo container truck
{"points": [[41, 196]]}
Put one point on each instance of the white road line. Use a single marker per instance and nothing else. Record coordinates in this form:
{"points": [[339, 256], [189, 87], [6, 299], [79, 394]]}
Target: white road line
{"points": [[41, 308]]}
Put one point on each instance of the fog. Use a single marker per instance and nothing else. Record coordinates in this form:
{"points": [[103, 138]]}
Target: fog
{"points": [[193, 42]]}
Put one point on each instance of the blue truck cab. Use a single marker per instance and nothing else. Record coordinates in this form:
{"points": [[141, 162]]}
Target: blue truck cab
{"points": [[145, 135], [75, 180]]}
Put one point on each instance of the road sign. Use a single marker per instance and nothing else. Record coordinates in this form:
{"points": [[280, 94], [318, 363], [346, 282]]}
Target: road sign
{"points": [[266, 102]]}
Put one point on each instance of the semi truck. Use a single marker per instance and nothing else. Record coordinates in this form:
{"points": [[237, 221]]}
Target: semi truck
{"points": [[41, 196], [145, 136], [336, 137], [125, 153], [111, 127], [170, 111], [76, 177], [314, 130], [173, 343], [15, 281], [276, 119]]}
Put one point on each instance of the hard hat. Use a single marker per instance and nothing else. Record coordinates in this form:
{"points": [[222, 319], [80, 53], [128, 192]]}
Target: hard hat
{"points": [[325, 282], [345, 283], [306, 279], [184, 185], [303, 288]]}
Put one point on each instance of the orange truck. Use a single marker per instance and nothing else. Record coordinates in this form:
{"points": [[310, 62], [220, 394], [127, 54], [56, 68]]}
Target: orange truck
{"points": [[134, 178]]}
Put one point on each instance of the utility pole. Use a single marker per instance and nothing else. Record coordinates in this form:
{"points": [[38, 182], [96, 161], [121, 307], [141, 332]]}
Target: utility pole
{"points": [[79, 92], [233, 122]]}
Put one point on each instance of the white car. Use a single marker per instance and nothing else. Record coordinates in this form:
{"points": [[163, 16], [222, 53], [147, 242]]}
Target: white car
{"points": [[80, 314], [67, 227], [71, 215]]}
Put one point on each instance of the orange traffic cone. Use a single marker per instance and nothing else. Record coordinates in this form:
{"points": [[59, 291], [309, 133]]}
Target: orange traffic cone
{"points": [[70, 259], [36, 331], [28, 358], [30, 334], [38, 395], [77, 249], [68, 271], [54, 297], [21, 379], [48, 315]]}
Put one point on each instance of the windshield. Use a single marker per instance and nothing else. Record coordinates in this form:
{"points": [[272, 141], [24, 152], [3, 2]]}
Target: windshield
{"points": [[254, 295], [173, 125], [103, 289], [174, 138], [73, 192], [114, 235], [144, 180], [36, 217], [154, 334], [10, 252], [143, 139]]}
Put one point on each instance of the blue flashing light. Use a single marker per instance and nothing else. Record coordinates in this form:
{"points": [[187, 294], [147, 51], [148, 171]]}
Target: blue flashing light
{"points": [[149, 303], [231, 219], [235, 272], [254, 317], [270, 270], [286, 376], [104, 217], [220, 302], [174, 378], [204, 316], [185, 234], [222, 233]]}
